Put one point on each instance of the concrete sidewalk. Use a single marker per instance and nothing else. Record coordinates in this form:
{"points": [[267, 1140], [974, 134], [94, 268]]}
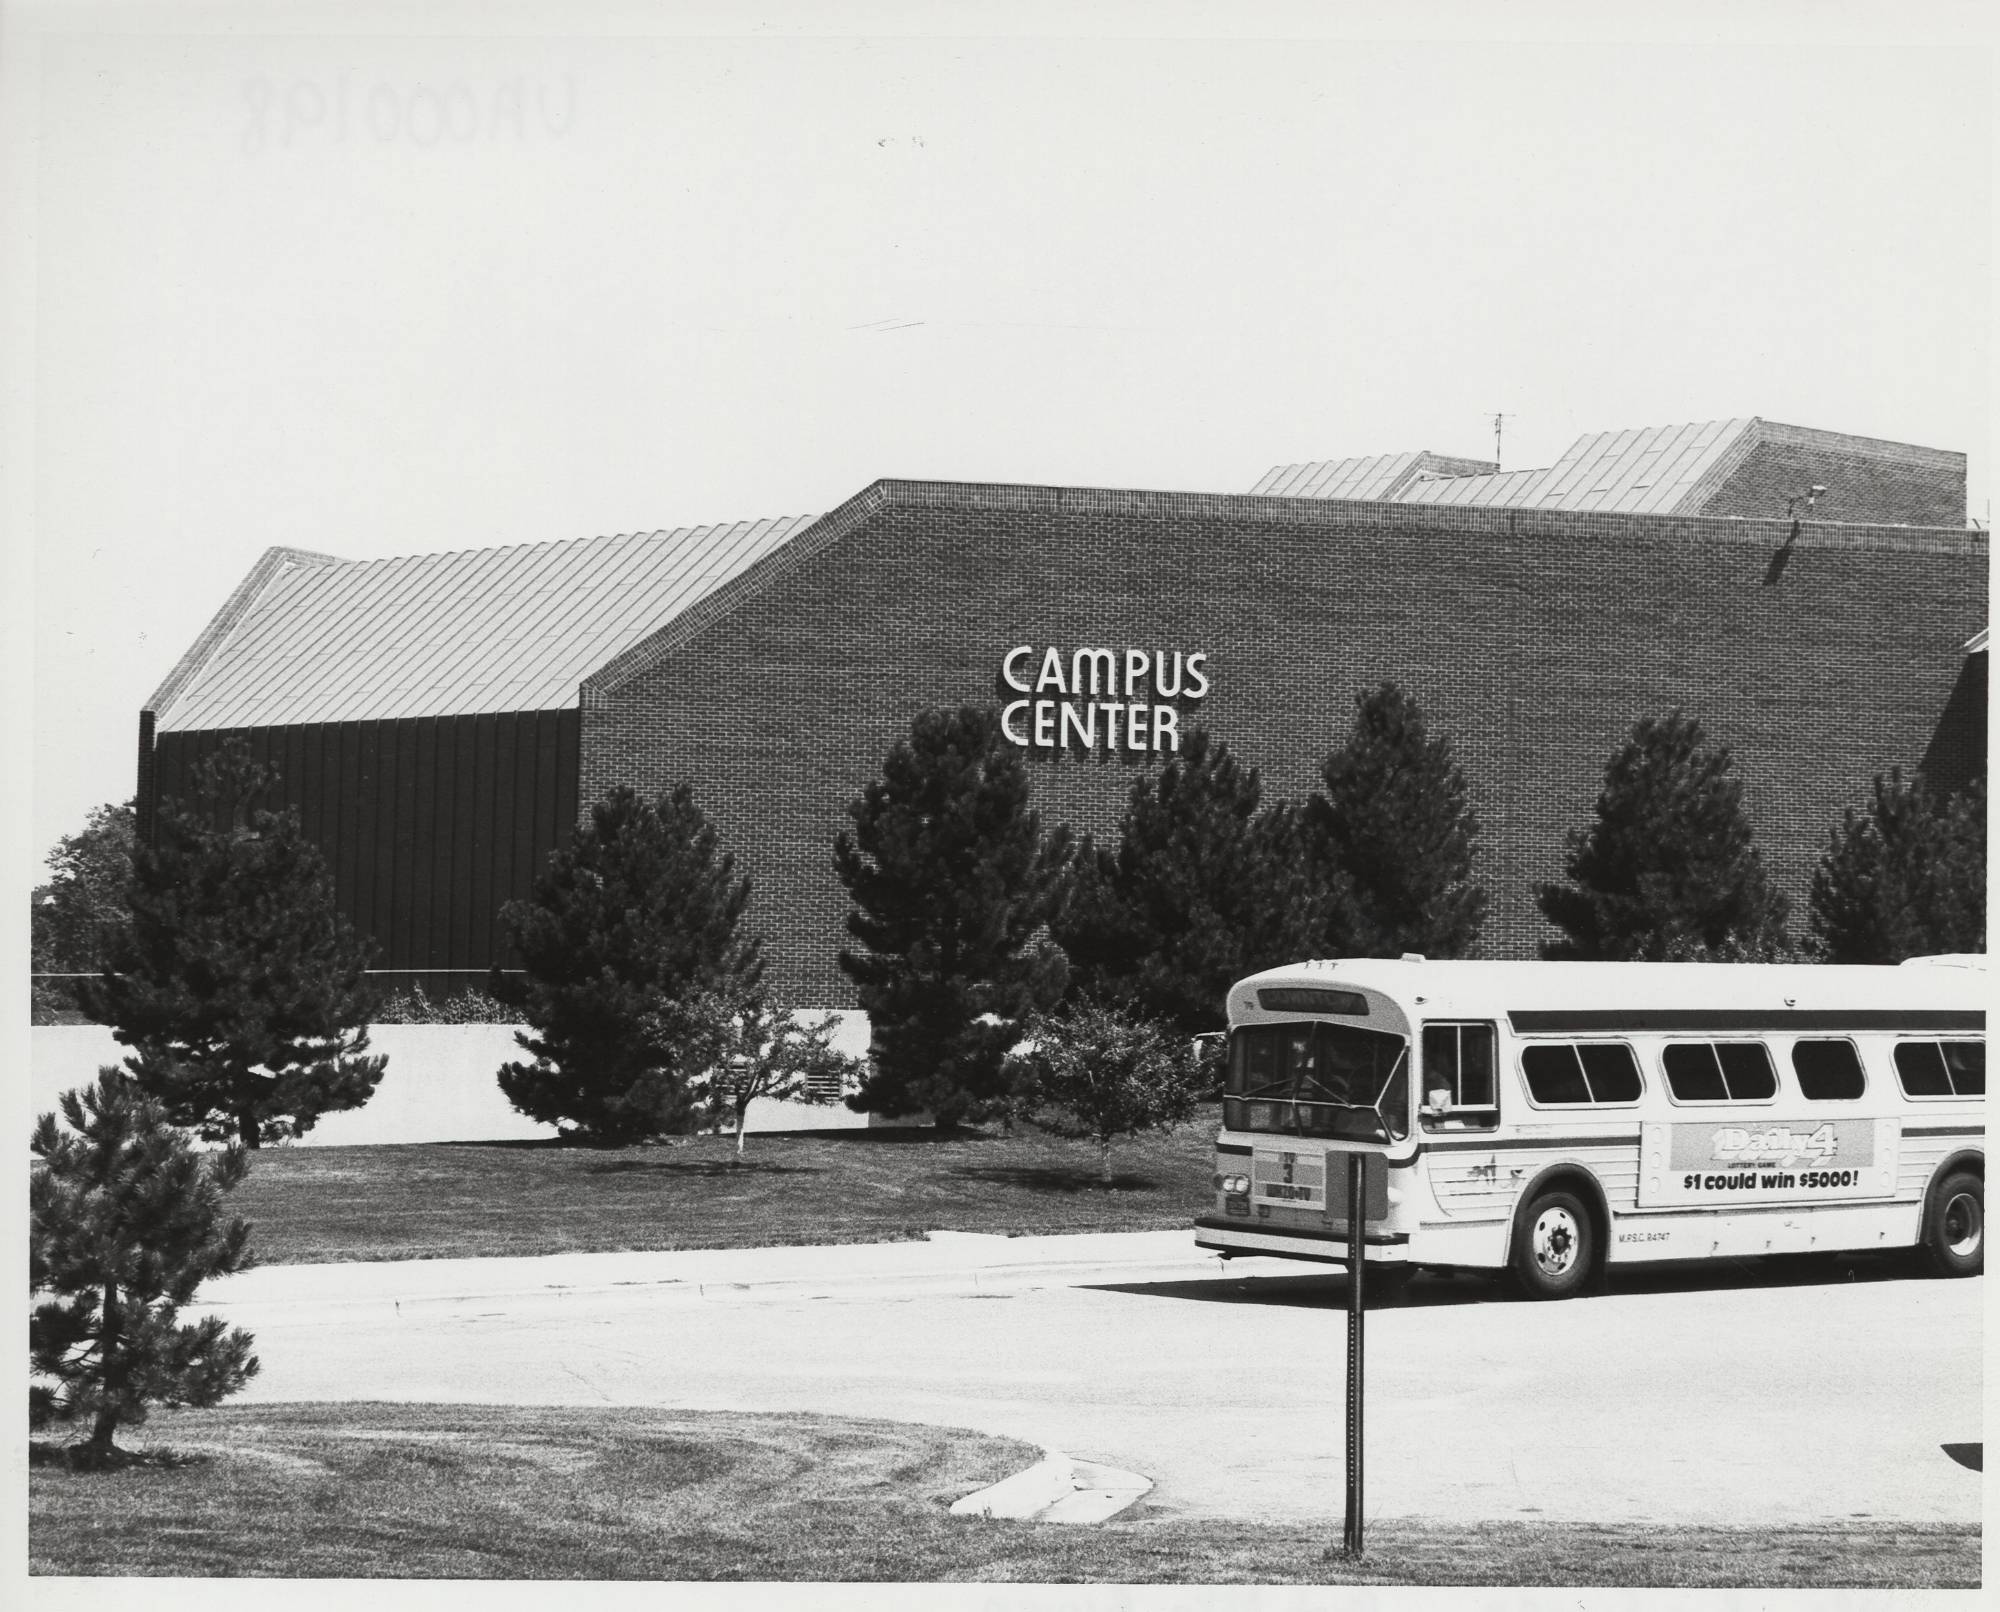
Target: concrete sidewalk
{"points": [[943, 1262]]}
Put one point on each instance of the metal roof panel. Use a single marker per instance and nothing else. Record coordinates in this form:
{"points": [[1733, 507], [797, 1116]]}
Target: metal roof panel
{"points": [[457, 633]]}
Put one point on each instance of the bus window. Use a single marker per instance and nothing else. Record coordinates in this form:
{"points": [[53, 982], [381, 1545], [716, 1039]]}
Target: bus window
{"points": [[1317, 1079], [1720, 1072], [1589, 1072], [1942, 1068], [1554, 1076], [1459, 1076], [1828, 1071], [1612, 1071], [1746, 1065]]}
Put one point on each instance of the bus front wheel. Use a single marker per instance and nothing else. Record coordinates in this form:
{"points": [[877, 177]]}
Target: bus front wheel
{"points": [[1555, 1247], [1955, 1227]]}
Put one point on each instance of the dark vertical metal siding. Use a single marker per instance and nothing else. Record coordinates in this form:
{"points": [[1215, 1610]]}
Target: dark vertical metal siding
{"points": [[408, 891], [370, 860], [473, 814], [486, 835], [429, 824]]}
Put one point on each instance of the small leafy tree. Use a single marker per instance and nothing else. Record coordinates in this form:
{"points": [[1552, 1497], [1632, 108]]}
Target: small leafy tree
{"points": [[125, 1222], [1391, 834], [238, 984], [758, 1048], [1097, 1072], [1906, 877], [1668, 867], [636, 917], [85, 901], [954, 887], [1203, 888]]}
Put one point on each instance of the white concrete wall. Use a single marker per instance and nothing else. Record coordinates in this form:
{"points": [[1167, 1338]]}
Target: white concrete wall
{"points": [[440, 1084]]}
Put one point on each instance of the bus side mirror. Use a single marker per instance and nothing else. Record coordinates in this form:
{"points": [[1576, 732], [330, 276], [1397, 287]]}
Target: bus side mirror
{"points": [[1207, 1047]]}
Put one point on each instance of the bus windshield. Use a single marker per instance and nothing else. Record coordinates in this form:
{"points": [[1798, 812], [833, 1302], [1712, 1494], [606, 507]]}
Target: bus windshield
{"points": [[1318, 1079]]}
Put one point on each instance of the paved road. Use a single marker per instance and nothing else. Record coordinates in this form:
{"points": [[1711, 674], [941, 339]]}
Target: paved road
{"points": [[1691, 1397]]}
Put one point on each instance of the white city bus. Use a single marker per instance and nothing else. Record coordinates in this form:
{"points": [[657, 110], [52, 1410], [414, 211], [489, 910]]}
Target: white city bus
{"points": [[1549, 1119]]}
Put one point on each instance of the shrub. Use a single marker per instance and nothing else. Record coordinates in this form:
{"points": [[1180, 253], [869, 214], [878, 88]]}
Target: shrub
{"points": [[640, 914], [466, 1005]]}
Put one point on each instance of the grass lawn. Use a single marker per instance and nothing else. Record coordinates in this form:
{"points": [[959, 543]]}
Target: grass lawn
{"points": [[423, 1491], [478, 1199]]}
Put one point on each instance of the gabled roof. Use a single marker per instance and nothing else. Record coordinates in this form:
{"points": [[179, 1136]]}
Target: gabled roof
{"points": [[1382, 475], [1718, 467], [307, 638], [1655, 470], [1659, 470], [1506, 488]]}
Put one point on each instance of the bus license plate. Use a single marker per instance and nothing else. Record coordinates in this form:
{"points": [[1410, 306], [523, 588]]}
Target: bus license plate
{"points": [[1296, 1180]]}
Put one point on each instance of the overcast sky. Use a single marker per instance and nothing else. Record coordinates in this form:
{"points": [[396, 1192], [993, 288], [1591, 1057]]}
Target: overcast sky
{"points": [[374, 293]]}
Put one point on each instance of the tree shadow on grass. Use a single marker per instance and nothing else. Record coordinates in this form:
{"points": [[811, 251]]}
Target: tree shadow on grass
{"points": [[1052, 1178], [892, 1135], [873, 1136], [78, 1458], [716, 1169]]}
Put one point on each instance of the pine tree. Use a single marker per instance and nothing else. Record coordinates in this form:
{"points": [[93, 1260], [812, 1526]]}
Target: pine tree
{"points": [[125, 1222], [641, 912], [237, 982], [954, 887], [1391, 835], [1668, 867], [1202, 889], [1098, 1072], [1904, 878]]}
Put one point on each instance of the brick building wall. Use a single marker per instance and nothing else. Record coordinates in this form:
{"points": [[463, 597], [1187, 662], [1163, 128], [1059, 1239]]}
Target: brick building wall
{"points": [[1532, 639], [1865, 479]]}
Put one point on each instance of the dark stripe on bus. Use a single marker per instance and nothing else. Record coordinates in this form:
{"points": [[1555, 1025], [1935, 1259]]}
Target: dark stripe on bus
{"points": [[1231, 1147], [1944, 1130], [1488, 1144], [1562, 1021]]}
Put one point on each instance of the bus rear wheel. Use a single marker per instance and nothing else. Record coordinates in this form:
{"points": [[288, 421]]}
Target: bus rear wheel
{"points": [[1955, 1227], [1555, 1247]]}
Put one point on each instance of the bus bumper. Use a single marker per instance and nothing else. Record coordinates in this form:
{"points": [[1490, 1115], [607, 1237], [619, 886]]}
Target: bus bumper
{"points": [[1229, 1236]]}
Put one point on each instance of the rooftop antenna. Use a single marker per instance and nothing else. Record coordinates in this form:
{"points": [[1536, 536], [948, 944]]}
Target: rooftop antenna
{"points": [[1499, 420]]}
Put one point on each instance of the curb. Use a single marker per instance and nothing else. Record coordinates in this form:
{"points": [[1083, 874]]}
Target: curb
{"points": [[975, 1279]]}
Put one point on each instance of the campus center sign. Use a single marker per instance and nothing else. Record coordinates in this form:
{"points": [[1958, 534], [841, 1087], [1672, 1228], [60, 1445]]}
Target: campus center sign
{"points": [[1109, 697]]}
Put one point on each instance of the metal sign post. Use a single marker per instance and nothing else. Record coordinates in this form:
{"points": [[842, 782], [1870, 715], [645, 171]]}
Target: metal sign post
{"points": [[1357, 1218]]}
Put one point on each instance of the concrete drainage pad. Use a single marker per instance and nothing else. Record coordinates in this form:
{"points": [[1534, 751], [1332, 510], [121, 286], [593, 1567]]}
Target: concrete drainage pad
{"points": [[1057, 1489]]}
